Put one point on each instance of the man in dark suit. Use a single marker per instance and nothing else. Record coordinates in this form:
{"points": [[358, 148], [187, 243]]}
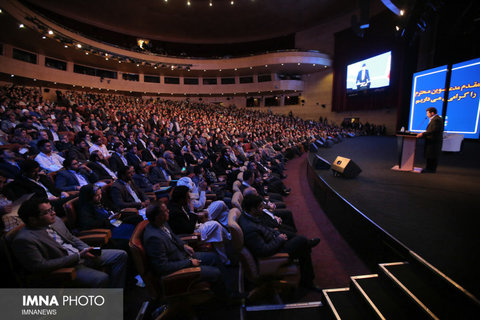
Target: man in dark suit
{"points": [[31, 181], [167, 253], [45, 244], [160, 172], [125, 194], [265, 241], [74, 176], [433, 140], [141, 180], [9, 164], [132, 156], [101, 167], [363, 78], [118, 160], [150, 154]]}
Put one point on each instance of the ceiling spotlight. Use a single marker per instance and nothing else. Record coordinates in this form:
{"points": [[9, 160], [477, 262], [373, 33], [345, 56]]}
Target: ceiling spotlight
{"points": [[397, 28], [266, 66], [50, 32], [298, 64], [402, 12], [106, 59], [188, 3], [138, 65], [314, 64], [34, 79], [210, 3], [12, 75], [86, 52], [232, 3], [220, 70], [235, 69], [119, 61], [79, 45], [250, 67], [166, 0], [65, 46], [1, 11], [21, 25], [155, 67], [44, 37]]}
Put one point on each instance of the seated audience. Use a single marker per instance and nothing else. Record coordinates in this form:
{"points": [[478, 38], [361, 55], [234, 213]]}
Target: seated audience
{"points": [[117, 159], [264, 241], [91, 215], [75, 176], [167, 253], [100, 166], [160, 172], [125, 194], [48, 160], [184, 221], [10, 164], [37, 253], [141, 180], [78, 151]]}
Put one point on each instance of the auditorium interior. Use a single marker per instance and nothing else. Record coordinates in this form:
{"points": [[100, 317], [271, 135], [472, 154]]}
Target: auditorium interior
{"points": [[314, 99]]}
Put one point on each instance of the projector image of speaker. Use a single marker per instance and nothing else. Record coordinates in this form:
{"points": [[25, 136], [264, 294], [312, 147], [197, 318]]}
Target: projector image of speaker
{"points": [[345, 167]]}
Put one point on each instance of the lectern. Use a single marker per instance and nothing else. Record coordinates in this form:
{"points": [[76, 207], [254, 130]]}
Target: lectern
{"points": [[407, 142]]}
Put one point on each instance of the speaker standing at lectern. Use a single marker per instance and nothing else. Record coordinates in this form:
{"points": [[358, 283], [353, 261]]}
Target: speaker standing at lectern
{"points": [[433, 140]]}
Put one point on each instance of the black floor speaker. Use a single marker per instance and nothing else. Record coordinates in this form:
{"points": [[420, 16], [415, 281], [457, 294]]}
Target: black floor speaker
{"points": [[345, 167], [320, 164]]}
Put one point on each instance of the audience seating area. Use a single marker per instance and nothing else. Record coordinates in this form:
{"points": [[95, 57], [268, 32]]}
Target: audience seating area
{"points": [[104, 136]]}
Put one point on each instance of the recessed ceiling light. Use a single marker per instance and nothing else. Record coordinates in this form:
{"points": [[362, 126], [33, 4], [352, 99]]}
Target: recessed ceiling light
{"points": [[21, 25], [50, 32]]}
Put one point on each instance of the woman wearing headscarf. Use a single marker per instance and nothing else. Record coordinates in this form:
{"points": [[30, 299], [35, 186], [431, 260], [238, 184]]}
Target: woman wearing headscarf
{"points": [[183, 220]]}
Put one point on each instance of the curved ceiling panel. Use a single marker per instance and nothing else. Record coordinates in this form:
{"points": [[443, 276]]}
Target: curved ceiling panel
{"points": [[175, 21]]}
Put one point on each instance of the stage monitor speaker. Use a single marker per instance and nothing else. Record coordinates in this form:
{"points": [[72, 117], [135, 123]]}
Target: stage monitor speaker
{"points": [[320, 164], [345, 167]]}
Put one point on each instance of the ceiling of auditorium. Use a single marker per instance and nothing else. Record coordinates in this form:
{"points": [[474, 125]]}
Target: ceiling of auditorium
{"points": [[223, 22]]}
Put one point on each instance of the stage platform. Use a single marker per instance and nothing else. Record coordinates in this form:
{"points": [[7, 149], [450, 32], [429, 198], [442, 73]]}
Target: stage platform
{"points": [[435, 215]]}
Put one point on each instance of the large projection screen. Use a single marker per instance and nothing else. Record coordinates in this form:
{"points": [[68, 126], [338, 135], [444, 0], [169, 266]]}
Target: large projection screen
{"points": [[428, 89], [463, 108]]}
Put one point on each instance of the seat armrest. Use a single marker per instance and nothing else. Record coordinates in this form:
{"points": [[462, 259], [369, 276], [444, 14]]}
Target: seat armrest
{"points": [[96, 240], [129, 210], [63, 274], [181, 282], [106, 232], [188, 238], [271, 265]]}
